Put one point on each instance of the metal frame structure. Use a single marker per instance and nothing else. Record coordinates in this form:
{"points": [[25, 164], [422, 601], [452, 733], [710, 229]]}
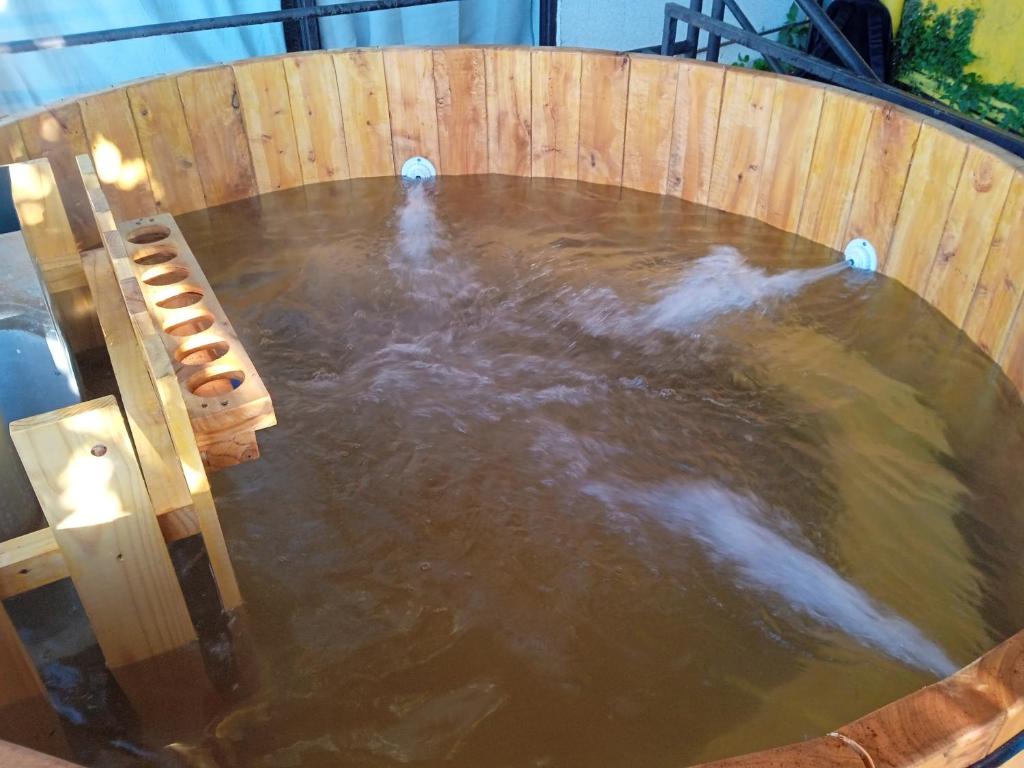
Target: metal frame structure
{"points": [[774, 53]]}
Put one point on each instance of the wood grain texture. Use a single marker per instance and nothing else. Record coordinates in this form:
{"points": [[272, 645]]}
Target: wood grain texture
{"points": [[12, 146], [412, 104], [742, 141], [650, 114], [82, 467], [267, 113], [695, 131], [931, 185], [44, 224], [968, 234], [460, 84], [30, 561], [509, 111], [892, 138], [796, 111], [604, 86], [316, 115], [18, 677], [59, 135], [166, 146], [556, 113], [213, 112], [165, 481], [1001, 283], [364, 99], [835, 167], [116, 152], [823, 752], [176, 416]]}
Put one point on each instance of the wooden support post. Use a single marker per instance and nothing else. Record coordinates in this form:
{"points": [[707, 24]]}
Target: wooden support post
{"points": [[83, 469], [18, 677]]}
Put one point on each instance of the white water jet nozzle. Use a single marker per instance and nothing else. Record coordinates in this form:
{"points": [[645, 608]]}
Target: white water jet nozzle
{"points": [[860, 254], [418, 169]]}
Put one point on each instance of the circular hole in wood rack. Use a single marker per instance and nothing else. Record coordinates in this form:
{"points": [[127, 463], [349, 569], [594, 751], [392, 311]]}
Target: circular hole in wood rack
{"points": [[151, 233], [165, 275], [185, 298], [202, 353], [217, 384], [191, 326], [157, 254]]}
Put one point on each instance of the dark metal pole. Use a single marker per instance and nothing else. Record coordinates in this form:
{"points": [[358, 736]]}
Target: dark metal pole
{"points": [[548, 22], [218, 22], [847, 79], [301, 35], [834, 36], [693, 31], [744, 22], [715, 41]]}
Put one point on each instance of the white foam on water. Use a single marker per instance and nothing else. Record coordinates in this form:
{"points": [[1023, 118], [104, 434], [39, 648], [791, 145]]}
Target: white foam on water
{"points": [[419, 232], [724, 282], [772, 559]]}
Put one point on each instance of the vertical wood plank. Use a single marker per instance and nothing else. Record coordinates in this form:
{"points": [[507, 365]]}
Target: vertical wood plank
{"points": [[165, 481], [58, 135], [604, 87], [209, 98], [83, 470], [461, 87], [1002, 280], [742, 141], [695, 132], [166, 146], [796, 112], [927, 196], [12, 146], [316, 114], [44, 223], [117, 154], [650, 116], [509, 111], [892, 138], [968, 234], [555, 79], [835, 166], [18, 677], [267, 115], [364, 96], [412, 104]]}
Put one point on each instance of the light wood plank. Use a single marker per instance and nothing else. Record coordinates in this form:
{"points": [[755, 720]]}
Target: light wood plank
{"points": [[117, 154], [176, 416], [461, 87], [931, 185], [653, 86], [316, 114], [364, 96], [58, 135], [968, 234], [742, 141], [45, 226], [1001, 284], [412, 104], [604, 87], [18, 677], [30, 561], [835, 167], [556, 112], [166, 146], [210, 100], [12, 146], [83, 470], [883, 175], [796, 113], [695, 131], [267, 113], [165, 481], [509, 111]]}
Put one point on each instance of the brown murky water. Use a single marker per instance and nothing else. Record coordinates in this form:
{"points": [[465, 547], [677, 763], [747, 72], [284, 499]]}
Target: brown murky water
{"points": [[569, 477]]}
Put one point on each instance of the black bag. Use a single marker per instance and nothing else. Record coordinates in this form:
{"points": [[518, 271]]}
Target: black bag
{"points": [[868, 26]]}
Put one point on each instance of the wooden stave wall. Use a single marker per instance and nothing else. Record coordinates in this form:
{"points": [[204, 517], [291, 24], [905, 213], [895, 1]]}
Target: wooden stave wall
{"points": [[945, 210]]}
